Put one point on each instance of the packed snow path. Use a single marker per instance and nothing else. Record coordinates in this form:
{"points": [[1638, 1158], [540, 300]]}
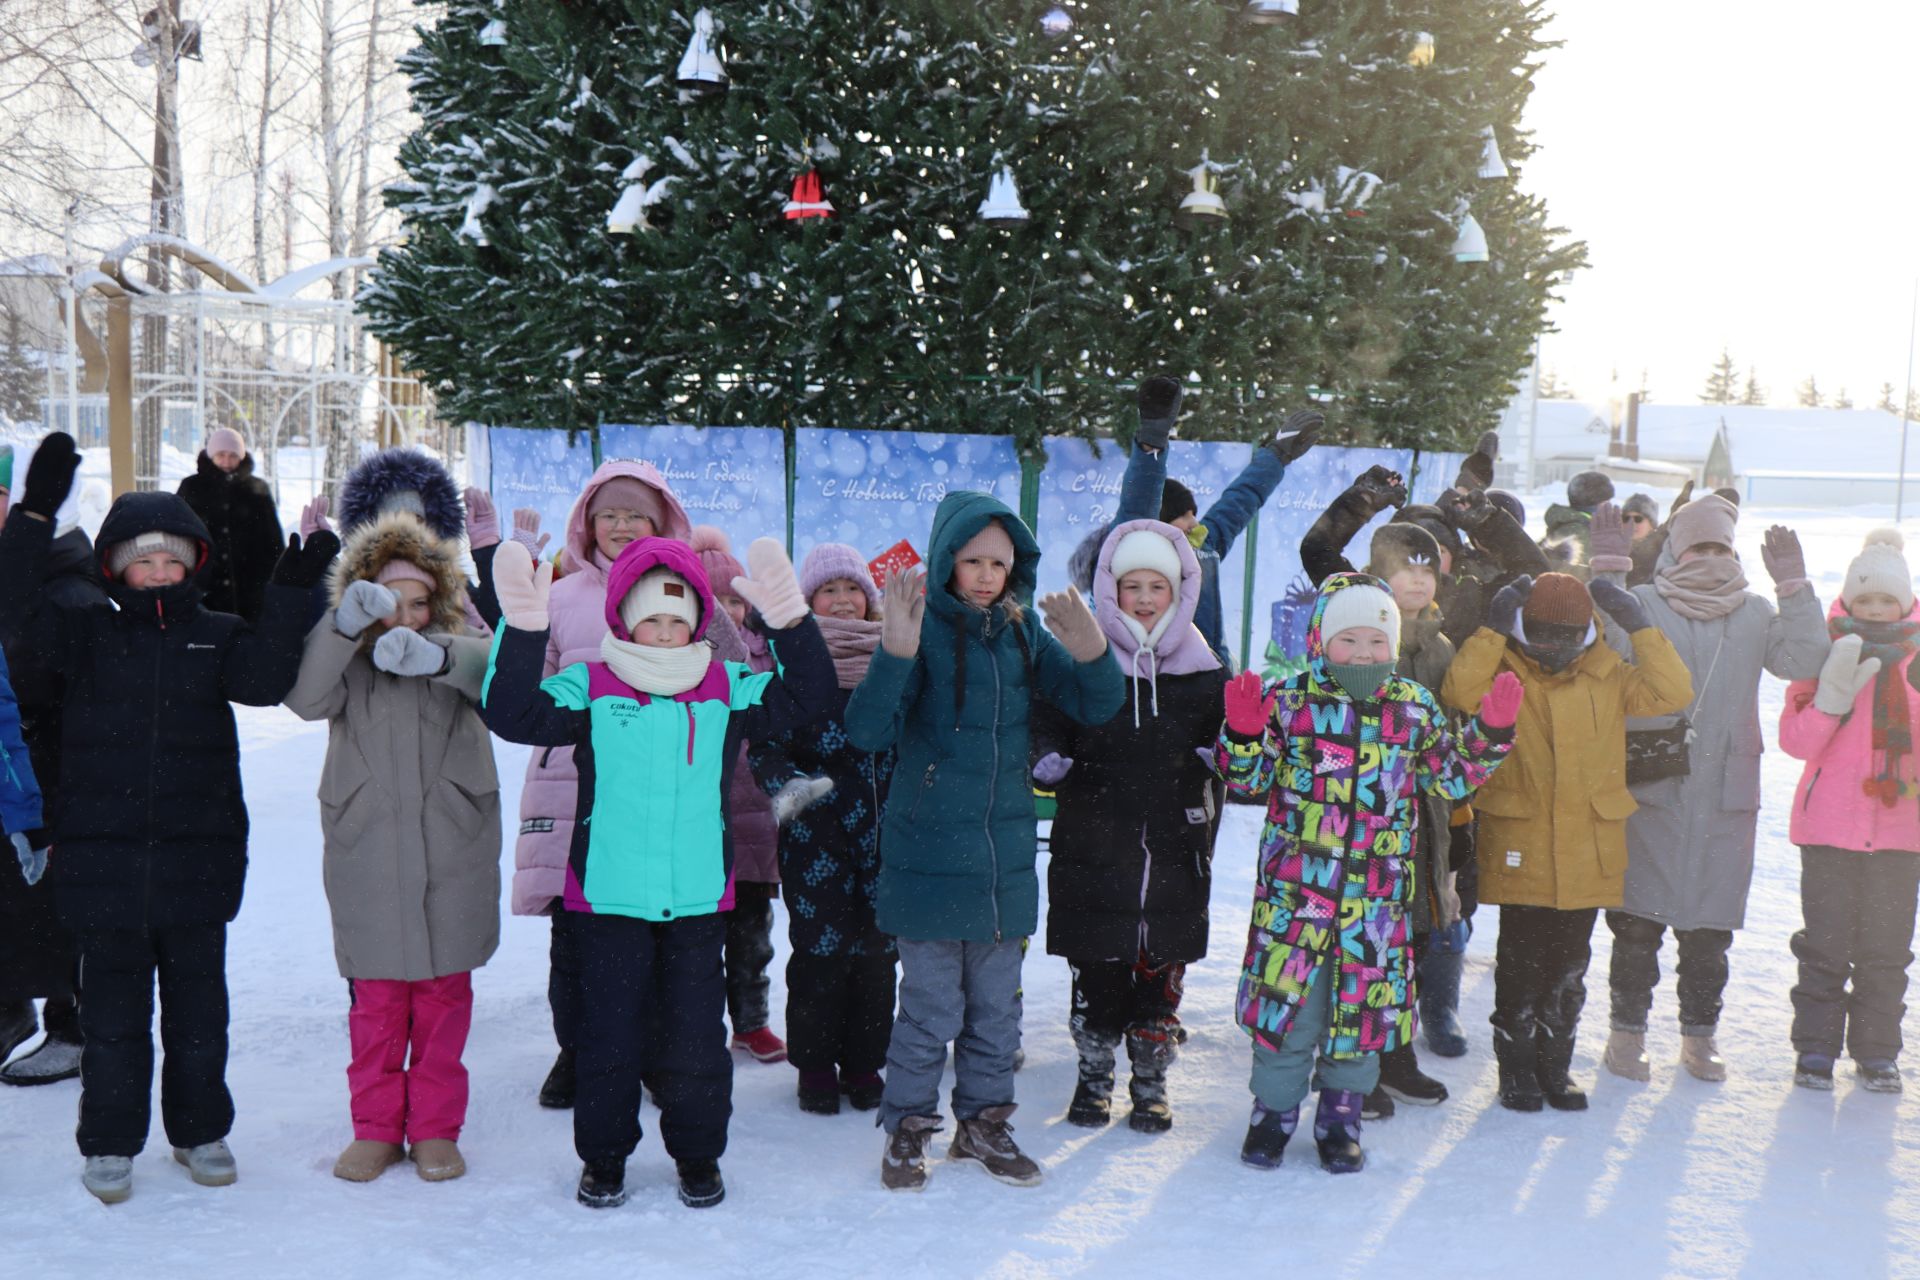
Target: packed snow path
{"points": [[1751, 1178]]}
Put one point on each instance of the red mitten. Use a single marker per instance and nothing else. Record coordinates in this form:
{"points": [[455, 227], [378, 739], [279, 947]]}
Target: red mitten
{"points": [[1247, 710], [1501, 706]]}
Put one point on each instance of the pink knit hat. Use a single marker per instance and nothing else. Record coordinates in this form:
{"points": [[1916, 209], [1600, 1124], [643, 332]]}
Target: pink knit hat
{"points": [[716, 557], [830, 560], [226, 440], [624, 493], [1708, 519], [398, 570]]}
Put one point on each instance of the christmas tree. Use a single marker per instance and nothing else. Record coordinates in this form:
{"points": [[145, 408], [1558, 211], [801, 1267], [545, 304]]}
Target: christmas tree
{"points": [[1345, 167]]}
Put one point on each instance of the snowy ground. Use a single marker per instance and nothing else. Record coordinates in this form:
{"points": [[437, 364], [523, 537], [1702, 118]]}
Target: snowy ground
{"points": [[1676, 1178]]}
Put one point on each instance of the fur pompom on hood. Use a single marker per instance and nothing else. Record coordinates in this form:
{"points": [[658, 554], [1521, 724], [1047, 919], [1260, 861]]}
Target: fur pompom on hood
{"points": [[399, 536], [397, 471]]}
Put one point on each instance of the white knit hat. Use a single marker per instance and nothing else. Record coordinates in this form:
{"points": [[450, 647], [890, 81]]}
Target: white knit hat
{"points": [[660, 590], [1145, 549], [122, 554], [1880, 568], [1361, 605]]}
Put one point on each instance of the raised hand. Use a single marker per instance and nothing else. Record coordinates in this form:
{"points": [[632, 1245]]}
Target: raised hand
{"points": [[1786, 563], [526, 531], [903, 602], [1607, 535], [1619, 604], [1159, 400], [313, 517], [1380, 488], [770, 585], [361, 605], [1500, 705], [483, 519], [1844, 676], [522, 589], [304, 566], [1505, 608], [1297, 434], [1073, 624], [1249, 707], [50, 476]]}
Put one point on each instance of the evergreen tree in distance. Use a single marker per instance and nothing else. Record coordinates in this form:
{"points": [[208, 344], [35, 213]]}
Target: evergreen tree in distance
{"points": [[903, 309], [1722, 382], [1808, 396], [1753, 393]]}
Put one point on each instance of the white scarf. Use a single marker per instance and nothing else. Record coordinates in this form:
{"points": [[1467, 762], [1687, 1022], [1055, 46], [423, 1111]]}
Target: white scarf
{"points": [[663, 673], [1147, 645]]}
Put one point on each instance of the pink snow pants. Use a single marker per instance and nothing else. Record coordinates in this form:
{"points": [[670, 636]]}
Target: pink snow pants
{"points": [[395, 1100]]}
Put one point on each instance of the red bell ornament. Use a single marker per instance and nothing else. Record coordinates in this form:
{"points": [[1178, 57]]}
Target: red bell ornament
{"points": [[808, 199]]}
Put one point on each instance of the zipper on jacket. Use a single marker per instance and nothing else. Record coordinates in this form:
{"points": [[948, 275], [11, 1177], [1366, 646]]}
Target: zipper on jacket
{"points": [[1146, 875], [1806, 801], [993, 779], [926, 785], [153, 758]]}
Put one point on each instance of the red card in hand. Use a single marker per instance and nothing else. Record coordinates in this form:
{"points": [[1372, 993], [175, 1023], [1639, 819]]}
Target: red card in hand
{"points": [[894, 559]]}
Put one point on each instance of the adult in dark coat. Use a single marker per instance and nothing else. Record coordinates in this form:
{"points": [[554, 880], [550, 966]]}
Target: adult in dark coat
{"points": [[238, 509], [150, 833], [38, 959], [1132, 843]]}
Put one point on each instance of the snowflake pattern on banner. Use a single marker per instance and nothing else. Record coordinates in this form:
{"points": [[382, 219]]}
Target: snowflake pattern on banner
{"points": [[870, 489], [1079, 493], [538, 469], [733, 477]]}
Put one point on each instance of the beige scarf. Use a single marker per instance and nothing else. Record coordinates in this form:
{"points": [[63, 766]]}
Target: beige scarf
{"points": [[663, 673], [1704, 589], [851, 641]]}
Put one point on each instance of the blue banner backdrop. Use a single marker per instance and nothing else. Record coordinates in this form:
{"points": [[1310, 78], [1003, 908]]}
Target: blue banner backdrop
{"points": [[870, 489], [1078, 494], [733, 477], [1437, 472], [1282, 596], [538, 469]]}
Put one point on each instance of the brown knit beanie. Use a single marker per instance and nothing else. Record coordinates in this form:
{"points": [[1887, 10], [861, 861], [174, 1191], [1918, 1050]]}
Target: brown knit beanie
{"points": [[1559, 600]]}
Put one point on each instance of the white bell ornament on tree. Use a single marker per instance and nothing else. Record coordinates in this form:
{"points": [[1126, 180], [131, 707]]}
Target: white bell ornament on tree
{"points": [[1491, 164], [494, 33], [1470, 244], [1002, 207], [1202, 206], [1423, 50], [1270, 13], [701, 70]]}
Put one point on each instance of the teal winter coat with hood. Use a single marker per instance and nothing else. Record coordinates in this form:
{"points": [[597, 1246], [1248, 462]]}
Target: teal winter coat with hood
{"points": [[957, 841]]}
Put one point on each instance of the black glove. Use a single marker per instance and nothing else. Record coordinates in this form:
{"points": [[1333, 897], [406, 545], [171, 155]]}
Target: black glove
{"points": [[1469, 508], [1297, 434], [50, 475], [1504, 611], [1489, 445], [304, 566], [1159, 400], [1380, 488], [1619, 604]]}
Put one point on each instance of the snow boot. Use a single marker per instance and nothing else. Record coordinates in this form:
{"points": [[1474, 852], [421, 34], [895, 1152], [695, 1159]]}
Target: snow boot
{"points": [[761, 1045], [1267, 1134], [1400, 1075], [1514, 1056], [1150, 1050], [556, 1092], [109, 1178], [1336, 1131], [1626, 1055], [1092, 1104], [988, 1138], [438, 1160], [1439, 982], [863, 1091], [903, 1166], [1553, 1056], [700, 1184], [1378, 1106], [1701, 1057], [17, 1026], [55, 1060], [603, 1184], [210, 1164], [819, 1093], [1814, 1071], [1878, 1076], [364, 1160]]}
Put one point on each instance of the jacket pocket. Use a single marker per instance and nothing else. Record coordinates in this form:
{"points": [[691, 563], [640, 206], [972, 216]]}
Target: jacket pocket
{"points": [[1611, 810], [920, 793], [1506, 803], [1615, 806]]}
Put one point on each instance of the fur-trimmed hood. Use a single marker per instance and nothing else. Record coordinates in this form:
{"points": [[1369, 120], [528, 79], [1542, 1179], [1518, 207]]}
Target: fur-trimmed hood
{"points": [[391, 471], [400, 536]]}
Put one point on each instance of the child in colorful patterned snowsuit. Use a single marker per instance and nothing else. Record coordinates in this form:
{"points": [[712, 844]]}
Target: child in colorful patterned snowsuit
{"points": [[1344, 749]]}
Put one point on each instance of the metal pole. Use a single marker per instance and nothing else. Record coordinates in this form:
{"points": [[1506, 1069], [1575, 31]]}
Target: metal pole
{"points": [[1533, 421], [73, 336], [1900, 486]]}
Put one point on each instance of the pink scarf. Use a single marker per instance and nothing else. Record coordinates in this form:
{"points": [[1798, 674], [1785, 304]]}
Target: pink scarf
{"points": [[1704, 589], [851, 642]]}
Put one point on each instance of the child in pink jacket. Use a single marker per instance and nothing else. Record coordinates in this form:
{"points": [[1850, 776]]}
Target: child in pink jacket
{"points": [[1856, 818]]}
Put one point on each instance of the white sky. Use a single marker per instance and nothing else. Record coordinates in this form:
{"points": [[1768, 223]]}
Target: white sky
{"points": [[1744, 174]]}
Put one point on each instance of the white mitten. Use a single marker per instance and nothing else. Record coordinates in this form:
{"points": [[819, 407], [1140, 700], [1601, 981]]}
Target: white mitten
{"points": [[362, 604], [770, 585], [405, 652], [1073, 624], [1844, 676], [521, 588], [801, 793]]}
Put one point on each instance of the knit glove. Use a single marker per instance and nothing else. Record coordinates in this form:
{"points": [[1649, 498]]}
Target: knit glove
{"points": [[1500, 705], [770, 585], [1504, 610], [33, 862], [1786, 563], [1609, 545], [313, 517], [903, 603], [1297, 434], [483, 520], [1844, 676], [303, 566], [522, 589], [1619, 604], [526, 531], [1073, 624], [1249, 706], [1380, 488], [1050, 770], [361, 605], [798, 795], [1159, 400], [50, 475], [405, 652]]}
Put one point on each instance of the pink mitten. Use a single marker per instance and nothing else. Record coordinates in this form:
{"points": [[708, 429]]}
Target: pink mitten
{"points": [[483, 520], [1501, 705], [313, 518], [522, 589], [1248, 708], [770, 585]]}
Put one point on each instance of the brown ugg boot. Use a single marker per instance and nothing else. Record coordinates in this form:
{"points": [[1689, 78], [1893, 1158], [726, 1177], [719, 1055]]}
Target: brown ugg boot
{"points": [[1626, 1055], [438, 1160], [1701, 1057], [364, 1160]]}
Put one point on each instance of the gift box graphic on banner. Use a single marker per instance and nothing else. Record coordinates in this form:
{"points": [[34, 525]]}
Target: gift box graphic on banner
{"points": [[1079, 494], [540, 469], [732, 477], [872, 489], [1281, 587]]}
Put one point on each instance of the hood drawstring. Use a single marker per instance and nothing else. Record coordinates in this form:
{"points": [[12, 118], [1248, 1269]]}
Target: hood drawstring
{"points": [[1153, 682]]}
